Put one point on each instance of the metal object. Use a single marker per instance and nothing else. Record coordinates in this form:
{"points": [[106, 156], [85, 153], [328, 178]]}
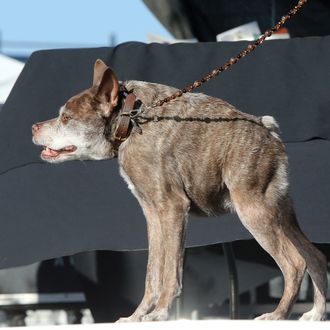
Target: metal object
{"points": [[233, 280]]}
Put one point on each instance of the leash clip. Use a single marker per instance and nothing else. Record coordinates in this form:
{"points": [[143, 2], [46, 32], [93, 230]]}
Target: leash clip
{"points": [[133, 115]]}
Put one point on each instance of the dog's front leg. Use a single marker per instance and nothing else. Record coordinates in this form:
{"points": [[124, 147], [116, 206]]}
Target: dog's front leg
{"points": [[155, 267], [173, 218]]}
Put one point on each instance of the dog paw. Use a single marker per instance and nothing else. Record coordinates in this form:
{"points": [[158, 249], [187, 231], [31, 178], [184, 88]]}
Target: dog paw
{"points": [[161, 315], [313, 315], [128, 319], [270, 316]]}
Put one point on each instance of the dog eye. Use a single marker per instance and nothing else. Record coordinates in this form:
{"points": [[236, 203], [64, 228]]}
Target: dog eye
{"points": [[65, 118]]}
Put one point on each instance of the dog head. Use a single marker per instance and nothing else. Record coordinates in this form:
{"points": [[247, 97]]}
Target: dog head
{"points": [[79, 130]]}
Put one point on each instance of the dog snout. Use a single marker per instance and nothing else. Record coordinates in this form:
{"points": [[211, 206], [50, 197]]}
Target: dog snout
{"points": [[35, 128]]}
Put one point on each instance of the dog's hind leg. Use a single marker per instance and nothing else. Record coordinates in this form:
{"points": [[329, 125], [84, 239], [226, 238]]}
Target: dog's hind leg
{"points": [[155, 266], [268, 222], [173, 216], [316, 268], [315, 261]]}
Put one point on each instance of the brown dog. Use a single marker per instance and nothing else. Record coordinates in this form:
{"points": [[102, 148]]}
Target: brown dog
{"points": [[196, 153]]}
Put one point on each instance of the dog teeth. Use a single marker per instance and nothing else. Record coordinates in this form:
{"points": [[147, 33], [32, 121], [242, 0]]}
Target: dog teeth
{"points": [[53, 151]]}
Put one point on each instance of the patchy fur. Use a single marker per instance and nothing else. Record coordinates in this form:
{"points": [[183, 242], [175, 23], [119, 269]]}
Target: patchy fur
{"points": [[195, 154]]}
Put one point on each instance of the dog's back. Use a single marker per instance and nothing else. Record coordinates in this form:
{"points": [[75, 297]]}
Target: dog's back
{"points": [[207, 146]]}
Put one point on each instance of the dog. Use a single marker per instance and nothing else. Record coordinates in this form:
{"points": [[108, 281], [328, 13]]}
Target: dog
{"points": [[195, 154]]}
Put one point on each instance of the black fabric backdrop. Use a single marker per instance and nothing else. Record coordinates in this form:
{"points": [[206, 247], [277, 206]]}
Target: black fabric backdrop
{"points": [[55, 210]]}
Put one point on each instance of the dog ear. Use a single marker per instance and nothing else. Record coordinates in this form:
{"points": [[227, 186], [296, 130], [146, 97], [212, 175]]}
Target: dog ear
{"points": [[107, 92], [99, 69]]}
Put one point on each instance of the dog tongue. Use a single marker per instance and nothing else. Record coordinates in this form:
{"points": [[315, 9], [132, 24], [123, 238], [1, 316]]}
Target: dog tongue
{"points": [[50, 152]]}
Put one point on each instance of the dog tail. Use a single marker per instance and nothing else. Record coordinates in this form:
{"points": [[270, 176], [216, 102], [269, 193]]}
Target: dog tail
{"points": [[271, 124]]}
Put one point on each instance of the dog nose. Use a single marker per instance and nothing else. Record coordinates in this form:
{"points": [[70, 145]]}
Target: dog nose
{"points": [[35, 128]]}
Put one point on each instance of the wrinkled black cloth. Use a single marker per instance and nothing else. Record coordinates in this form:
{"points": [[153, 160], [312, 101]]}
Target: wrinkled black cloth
{"points": [[48, 210]]}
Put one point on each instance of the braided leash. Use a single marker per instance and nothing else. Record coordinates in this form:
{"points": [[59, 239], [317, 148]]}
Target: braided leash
{"points": [[251, 47]]}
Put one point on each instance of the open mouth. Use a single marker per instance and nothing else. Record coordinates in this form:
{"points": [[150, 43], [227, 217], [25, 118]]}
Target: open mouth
{"points": [[49, 153]]}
